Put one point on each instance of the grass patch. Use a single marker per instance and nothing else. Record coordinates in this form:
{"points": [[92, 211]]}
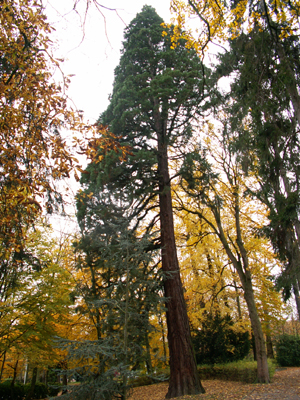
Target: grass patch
{"points": [[241, 371]]}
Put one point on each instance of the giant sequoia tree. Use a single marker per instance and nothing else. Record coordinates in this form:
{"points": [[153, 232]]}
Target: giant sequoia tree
{"points": [[156, 95]]}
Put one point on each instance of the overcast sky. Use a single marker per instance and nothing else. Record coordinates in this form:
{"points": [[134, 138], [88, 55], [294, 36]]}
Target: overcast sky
{"points": [[91, 53]]}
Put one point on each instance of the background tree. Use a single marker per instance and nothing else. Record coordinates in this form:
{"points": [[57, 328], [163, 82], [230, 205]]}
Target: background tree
{"points": [[223, 196], [33, 110], [157, 93], [120, 285], [209, 281], [266, 139], [218, 342], [34, 311], [220, 21]]}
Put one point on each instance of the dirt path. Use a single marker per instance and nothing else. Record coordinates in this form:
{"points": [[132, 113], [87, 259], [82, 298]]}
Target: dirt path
{"points": [[285, 386]]}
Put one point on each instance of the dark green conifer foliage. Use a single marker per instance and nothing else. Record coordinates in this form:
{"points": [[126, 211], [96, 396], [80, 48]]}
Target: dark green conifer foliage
{"points": [[288, 350], [266, 133], [157, 94], [216, 341], [121, 295]]}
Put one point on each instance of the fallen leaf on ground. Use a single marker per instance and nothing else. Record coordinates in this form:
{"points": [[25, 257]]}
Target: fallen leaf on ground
{"points": [[284, 386]]}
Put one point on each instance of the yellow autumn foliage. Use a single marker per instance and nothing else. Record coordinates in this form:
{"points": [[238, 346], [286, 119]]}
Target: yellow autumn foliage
{"points": [[218, 20]]}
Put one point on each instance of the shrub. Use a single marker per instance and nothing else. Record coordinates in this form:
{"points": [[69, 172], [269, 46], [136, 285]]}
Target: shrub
{"points": [[288, 351], [218, 342], [54, 389], [40, 390], [6, 392], [20, 390]]}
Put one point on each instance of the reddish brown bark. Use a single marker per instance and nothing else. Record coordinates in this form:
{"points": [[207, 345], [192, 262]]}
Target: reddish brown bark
{"points": [[184, 378]]}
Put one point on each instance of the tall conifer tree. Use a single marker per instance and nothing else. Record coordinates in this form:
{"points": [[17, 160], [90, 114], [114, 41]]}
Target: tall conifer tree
{"points": [[157, 93], [265, 126]]}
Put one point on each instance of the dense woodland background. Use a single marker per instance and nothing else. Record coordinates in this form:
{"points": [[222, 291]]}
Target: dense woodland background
{"points": [[186, 250]]}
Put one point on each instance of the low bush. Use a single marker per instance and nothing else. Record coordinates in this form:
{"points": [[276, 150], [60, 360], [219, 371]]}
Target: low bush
{"points": [[7, 393], [20, 391], [54, 389], [40, 390], [288, 351]]}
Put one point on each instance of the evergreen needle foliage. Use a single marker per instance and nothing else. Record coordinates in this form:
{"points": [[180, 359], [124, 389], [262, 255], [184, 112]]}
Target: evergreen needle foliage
{"points": [[264, 127], [158, 92], [120, 291]]}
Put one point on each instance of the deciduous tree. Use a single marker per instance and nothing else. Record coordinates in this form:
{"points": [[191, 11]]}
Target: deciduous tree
{"points": [[33, 310], [33, 111], [229, 220]]}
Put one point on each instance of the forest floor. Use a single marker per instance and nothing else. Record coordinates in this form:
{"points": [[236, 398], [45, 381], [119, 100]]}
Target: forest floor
{"points": [[285, 385]]}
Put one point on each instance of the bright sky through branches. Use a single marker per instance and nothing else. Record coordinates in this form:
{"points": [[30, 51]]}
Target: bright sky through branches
{"points": [[92, 52]]}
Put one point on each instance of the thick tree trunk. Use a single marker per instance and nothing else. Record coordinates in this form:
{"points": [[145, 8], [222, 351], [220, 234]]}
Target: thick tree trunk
{"points": [[184, 378]]}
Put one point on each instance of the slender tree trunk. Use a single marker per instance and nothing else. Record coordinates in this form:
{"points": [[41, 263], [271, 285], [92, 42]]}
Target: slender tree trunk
{"points": [[12, 385], [270, 351], [65, 380], [161, 323], [297, 297], [253, 345], [32, 384], [245, 276], [2, 365], [240, 264], [260, 345], [26, 372], [148, 355], [184, 378], [238, 303], [147, 344]]}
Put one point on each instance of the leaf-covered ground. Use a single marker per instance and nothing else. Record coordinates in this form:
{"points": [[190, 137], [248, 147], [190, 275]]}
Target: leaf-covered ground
{"points": [[285, 386]]}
